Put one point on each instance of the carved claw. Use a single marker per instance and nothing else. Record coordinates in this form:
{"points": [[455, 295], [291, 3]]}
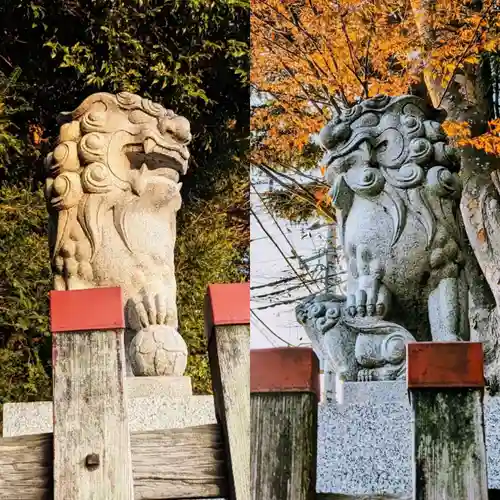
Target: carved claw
{"points": [[383, 302], [367, 296], [365, 375], [388, 372], [149, 309]]}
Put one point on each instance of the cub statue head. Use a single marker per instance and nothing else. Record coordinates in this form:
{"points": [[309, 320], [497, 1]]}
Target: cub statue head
{"points": [[113, 192]]}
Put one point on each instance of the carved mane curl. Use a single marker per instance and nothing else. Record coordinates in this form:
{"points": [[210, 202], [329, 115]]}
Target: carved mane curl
{"points": [[392, 149]]}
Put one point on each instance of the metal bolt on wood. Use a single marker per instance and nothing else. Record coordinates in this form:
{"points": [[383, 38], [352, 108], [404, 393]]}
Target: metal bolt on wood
{"points": [[92, 461]]}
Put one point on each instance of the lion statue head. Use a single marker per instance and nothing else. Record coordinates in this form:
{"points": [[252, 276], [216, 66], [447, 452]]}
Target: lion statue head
{"points": [[112, 150], [395, 184], [393, 149]]}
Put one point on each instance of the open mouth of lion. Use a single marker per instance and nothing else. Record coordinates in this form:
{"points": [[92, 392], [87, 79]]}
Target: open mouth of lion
{"points": [[163, 161]]}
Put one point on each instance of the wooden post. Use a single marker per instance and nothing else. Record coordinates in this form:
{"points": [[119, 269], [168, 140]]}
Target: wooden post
{"points": [[92, 457], [284, 401], [227, 319], [446, 385]]}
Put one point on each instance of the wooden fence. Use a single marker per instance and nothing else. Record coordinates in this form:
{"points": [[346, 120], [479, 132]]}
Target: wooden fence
{"points": [[91, 454], [266, 402], [446, 385]]}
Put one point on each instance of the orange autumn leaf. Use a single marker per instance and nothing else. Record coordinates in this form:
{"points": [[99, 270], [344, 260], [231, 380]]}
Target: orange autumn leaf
{"points": [[36, 132], [311, 56]]}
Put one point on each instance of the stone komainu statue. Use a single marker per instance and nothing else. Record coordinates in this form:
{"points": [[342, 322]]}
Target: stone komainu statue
{"points": [[113, 193], [396, 189]]}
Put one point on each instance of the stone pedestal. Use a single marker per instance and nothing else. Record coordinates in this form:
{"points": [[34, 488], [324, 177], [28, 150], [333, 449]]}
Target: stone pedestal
{"points": [[364, 444], [153, 403], [138, 387]]}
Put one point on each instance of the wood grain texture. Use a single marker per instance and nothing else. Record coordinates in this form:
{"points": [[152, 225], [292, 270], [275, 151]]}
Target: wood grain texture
{"points": [[167, 464], [449, 446], [334, 496], [26, 468], [229, 354], [90, 416], [284, 442]]}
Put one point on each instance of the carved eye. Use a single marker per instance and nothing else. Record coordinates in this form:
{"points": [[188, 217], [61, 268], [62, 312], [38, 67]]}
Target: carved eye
{"points": [[367, 120], [350, 161], [383, 147], [178, 126]]}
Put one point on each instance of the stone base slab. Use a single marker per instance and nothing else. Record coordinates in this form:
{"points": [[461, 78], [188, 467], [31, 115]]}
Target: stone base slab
{"points": [[145, 414], [139, 387], [365, 443]]}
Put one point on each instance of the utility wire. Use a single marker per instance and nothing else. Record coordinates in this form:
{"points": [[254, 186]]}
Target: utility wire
{"points": [[274, 283], [281, 303], [293, 287], [279, 249], [270, 338], [285, 237], [269, 329]]}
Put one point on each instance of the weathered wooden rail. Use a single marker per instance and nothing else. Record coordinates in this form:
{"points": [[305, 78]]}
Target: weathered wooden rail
{"points": [[284, 402], [91, 453], [265, 401], [446, 384]]}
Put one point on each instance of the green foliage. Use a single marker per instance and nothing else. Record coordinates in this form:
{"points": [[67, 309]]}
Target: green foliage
{"points": [[24, 378], [189, 55], [209, 249], [25, 276], [24, 284], [287, 205], [9, 105]]}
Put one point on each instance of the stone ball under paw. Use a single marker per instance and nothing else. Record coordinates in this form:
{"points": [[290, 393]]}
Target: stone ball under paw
{"points": [[158, 350]]}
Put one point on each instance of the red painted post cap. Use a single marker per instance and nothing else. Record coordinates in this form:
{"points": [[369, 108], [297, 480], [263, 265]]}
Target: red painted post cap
{"points": [[90, 309], [284, 369], [444, 365], [227, 304]]}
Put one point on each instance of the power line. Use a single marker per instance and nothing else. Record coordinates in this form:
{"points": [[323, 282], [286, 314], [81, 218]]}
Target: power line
{"points": [[281, 303], [274, 283], [265, 334], [279, 249], [285, 237], [269, 329]]}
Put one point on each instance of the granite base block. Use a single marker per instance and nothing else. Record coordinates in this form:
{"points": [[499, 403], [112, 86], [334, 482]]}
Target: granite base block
{"points": [[145, 414], [365, 443], [139, 387]]}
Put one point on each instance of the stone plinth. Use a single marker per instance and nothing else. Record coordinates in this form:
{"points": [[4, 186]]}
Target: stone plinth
{"points": [[145, 414], [154, 403], [365, 443], [138, 387]]}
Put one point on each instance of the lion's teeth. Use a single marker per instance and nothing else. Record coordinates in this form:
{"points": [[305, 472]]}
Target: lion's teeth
{"points": [[143, 169], [149, 144]]}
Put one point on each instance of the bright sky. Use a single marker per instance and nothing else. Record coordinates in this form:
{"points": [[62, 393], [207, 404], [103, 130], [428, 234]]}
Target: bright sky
{"points": [[276, 325]]}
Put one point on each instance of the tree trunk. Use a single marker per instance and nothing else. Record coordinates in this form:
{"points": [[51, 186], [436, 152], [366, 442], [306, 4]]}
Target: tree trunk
{"points": [[465, 100]]}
